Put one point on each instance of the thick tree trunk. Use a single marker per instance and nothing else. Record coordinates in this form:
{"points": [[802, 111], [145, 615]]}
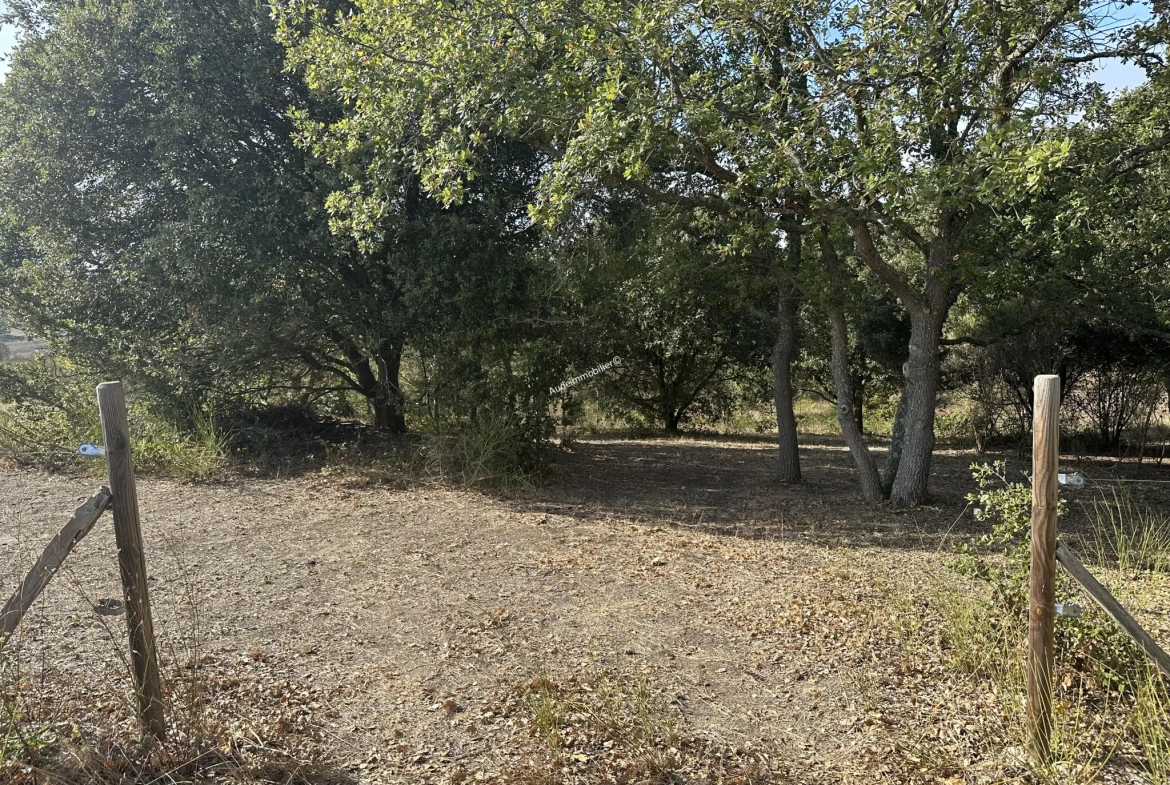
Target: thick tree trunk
{"points": [[921, 395], [381, 389], [386, 417], [871, 485], [928, 309], [783, 353]]}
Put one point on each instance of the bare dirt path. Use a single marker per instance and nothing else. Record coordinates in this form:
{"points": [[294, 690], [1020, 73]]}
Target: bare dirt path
{"points": [[408, 617]]}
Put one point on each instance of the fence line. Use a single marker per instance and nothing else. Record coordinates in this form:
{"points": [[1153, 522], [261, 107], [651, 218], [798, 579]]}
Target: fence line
{"points": [[1073, 566], [122, 498], [1047, 551], [46, 567]]}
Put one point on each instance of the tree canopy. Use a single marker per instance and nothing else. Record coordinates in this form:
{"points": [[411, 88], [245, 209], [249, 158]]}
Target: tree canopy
{"points": [[161, 222], [911, 124], [442, 208]]}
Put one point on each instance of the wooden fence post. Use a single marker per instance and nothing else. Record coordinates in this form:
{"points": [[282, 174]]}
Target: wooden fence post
{"points": [[131, 559], [1042, 586], [46, 567], [1072, 565]]}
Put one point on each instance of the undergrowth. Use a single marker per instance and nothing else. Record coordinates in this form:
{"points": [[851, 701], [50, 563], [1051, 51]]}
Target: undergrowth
{"points": [[492, 451], [48, 409], [1110, 703]]}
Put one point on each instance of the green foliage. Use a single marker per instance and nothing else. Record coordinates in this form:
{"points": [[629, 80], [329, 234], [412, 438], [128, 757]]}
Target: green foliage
{"points": [[1092, 644], [161, 224], [48, 408], [358, 208], [687, 322], [1107, 342], [492, 450], [1007, 506], [157, 219], [879, 333], [483, 314], [19, 740], [915, 128], [685, 87]]}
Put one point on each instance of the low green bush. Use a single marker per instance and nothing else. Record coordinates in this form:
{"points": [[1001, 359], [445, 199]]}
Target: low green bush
{"points": [[491, 450], [1091, 645], [48, 408]]}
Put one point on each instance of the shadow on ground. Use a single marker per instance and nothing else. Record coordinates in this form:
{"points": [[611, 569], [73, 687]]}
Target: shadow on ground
{"points": [[729, 486]]}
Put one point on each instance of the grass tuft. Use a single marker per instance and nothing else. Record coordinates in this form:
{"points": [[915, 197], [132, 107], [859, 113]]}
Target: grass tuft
{"points": [[491, 451]]}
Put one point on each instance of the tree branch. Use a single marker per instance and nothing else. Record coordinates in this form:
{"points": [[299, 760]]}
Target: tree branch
{"points": [[872, 257], [818, 393], [1004, 75], [1134, 156]]}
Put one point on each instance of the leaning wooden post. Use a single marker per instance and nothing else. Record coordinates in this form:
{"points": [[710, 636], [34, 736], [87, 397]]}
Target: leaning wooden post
{"points": [[131, 559], [1042, 587]]}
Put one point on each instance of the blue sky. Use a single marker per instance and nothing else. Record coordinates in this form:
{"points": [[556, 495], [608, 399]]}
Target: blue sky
{"points": [[5, 44], [1113, 74]]}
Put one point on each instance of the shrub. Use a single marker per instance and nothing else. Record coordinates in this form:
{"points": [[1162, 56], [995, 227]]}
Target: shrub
{"points": [[1091, 645], [48, 408], [491, 449]]}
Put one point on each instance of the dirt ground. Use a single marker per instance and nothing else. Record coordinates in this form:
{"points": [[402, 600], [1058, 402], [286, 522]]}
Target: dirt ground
{"points": [[394, 629]]}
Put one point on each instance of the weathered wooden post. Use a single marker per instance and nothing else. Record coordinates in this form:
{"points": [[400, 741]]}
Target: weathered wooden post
{"points": [[46, 567], [1042, 587], [131, 559]]}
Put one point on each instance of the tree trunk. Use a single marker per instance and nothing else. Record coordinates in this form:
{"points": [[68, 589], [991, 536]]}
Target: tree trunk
{"points": [[668, 412], [894, 457], [928, 311], [367, 382], [859, 396], [871, 485], [389, 404], [783, 354], [385, 416], [920, 394], [381, 389]]}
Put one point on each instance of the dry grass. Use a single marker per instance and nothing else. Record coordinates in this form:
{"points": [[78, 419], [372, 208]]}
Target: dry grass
{"points": [[75, 723], [1112, 712], [670, 616]]}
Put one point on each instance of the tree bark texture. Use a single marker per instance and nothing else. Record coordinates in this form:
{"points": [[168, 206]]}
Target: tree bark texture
{"points": [[783, 353], [871, 485]]}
